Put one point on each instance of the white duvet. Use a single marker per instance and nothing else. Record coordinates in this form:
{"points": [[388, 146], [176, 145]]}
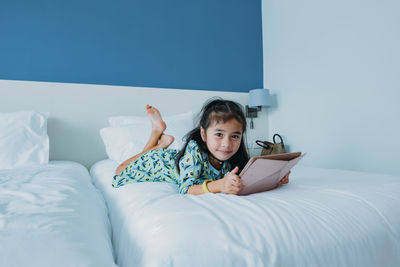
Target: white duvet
{"points": [[321, 218], [52, 216]]}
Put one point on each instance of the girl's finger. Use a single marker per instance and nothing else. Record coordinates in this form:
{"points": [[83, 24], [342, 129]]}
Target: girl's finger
{"points": [[236, 183], [236, 187], [284, 180], [235, 170]]}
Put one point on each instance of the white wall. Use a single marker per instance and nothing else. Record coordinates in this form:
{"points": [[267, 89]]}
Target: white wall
{"points": [[334, 67], [79, 111]]}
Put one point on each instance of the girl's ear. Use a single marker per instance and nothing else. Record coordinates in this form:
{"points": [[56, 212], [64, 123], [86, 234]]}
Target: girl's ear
{"points": [[203, 134]]}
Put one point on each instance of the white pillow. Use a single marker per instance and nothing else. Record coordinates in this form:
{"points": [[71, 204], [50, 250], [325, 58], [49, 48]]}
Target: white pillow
{"points": [[23, 139], [128, 135]]}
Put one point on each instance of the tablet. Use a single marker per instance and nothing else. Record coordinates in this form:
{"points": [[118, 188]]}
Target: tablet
{"points": [[263, 173]]}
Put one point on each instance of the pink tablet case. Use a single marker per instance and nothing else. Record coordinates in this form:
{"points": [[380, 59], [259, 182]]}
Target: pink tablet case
{"points": [[264, 173]]}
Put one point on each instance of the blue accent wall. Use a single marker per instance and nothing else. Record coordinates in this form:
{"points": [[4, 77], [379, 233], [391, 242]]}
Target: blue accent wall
{"points": [[207, 44]]}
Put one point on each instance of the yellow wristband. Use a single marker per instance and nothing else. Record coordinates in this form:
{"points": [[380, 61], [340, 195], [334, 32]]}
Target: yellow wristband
{"points": [[204, 185]]}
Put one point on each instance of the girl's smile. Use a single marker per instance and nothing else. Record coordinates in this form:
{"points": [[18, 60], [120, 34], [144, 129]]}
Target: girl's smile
{"points": [[223, 139]]}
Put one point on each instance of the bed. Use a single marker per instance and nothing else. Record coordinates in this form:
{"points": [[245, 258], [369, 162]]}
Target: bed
{"points": [[51, 215], [50, 212], [323, 217]]}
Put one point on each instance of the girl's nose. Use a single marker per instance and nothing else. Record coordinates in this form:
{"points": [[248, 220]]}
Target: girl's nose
{"points": [[226, 142]]}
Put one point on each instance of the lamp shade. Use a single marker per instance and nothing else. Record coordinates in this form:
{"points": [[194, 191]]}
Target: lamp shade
{"points": [[259, 97]]}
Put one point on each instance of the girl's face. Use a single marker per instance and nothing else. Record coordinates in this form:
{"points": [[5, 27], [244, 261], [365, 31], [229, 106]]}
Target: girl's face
{"points": [[223, 139]]}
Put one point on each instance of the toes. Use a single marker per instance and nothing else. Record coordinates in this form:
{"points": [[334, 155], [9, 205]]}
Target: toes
{"points": [[148, 109]]}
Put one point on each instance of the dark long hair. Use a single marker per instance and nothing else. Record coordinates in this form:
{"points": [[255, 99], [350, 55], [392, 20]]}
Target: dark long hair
{"points": [[216, 110]]}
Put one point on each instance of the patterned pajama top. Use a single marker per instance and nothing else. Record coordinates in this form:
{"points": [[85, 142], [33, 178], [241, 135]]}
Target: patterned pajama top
{"points": [[158, 165]]}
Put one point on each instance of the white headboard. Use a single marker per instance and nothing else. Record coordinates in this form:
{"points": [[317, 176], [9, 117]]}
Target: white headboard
{"points": [[79, 111]]}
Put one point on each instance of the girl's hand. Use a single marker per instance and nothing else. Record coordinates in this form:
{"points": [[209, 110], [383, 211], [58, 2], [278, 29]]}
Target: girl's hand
{"points": [[285, 179], [231, 183]]}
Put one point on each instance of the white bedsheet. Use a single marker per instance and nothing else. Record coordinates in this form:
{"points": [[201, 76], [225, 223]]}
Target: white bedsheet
{"points": [[321, 218], [52, 216]]}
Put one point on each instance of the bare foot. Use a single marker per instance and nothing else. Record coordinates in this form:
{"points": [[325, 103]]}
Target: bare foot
{"points": [[155, 118], [166, 140]]}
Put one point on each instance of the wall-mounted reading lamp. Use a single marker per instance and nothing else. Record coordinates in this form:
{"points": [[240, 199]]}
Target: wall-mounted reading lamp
{"points": [[258, 98]]}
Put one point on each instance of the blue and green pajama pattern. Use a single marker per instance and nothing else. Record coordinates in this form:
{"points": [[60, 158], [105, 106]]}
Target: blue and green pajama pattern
{"points": [[158, 165]]}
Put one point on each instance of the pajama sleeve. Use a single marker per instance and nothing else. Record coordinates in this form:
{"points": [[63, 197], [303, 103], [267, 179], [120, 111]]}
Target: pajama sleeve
{"points": [[190, 167]]}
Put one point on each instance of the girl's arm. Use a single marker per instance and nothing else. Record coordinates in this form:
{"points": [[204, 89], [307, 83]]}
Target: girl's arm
{"points": [[230, 184], [213, 187]]}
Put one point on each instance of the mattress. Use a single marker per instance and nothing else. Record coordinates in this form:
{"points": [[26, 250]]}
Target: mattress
{"points": [[52, 215], [323, 217]]}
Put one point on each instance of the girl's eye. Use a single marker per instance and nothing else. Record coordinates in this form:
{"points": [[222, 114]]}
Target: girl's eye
{"points": [[218, 134], [235, 136]]}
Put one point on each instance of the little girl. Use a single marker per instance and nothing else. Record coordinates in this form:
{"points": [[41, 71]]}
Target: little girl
{"points": [[205, 162]]}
